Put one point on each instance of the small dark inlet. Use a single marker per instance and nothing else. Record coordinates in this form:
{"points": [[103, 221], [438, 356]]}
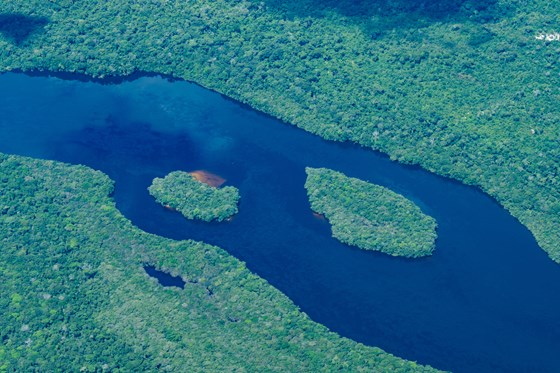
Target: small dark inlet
{"points": [[164, 279], [19, 27]]}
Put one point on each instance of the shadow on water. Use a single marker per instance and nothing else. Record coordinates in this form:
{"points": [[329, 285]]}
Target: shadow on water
{"points": [[18, 27], [105, 80], [486, 301]]}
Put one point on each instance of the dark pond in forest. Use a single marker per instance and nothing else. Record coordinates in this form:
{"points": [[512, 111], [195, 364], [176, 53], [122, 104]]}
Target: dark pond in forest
{"points": [[487, 300], [165, 279]]}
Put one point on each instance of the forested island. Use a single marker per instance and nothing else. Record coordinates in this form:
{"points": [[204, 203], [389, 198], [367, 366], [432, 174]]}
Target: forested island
{"points": [[75, 296], [370, 216], [464, 89], [194, 199]]}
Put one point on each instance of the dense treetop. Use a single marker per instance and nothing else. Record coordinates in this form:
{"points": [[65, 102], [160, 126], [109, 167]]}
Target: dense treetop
{"points": [[195, 200], [370, 216]]}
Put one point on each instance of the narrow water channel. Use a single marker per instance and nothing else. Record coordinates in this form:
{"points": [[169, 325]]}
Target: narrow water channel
{"points": [[487, 300]]}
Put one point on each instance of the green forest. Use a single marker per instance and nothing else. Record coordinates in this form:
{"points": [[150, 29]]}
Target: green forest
{"points": [[75, 296], [463, 88], [180, 191], [370, 216]]}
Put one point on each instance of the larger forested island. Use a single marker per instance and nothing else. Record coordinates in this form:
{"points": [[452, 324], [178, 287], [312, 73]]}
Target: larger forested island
{"points": [[370, 216]]}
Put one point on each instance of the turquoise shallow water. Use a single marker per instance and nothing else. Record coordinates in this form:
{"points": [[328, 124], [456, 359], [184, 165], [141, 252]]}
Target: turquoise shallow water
{"points": [[487, 300]]}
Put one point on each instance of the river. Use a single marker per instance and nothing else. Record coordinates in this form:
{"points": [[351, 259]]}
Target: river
{"points": [[487, 300]]}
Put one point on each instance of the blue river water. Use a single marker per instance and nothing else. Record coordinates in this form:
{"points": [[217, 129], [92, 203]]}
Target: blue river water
{"points": [[488, 300]]}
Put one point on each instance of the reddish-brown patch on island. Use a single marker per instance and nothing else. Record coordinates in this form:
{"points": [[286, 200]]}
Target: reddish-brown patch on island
{"points": [[208, 178]]}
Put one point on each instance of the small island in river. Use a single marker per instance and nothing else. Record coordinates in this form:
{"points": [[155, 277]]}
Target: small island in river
{"points": [[193, 198], [370, 216]]}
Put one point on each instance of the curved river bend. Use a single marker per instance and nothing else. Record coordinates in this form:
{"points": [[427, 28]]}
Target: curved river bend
{"points": [[488, 299]]}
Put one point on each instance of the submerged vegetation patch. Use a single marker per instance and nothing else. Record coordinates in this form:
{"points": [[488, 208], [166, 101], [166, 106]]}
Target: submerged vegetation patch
{"points": [[193, 196], [370, 216]]}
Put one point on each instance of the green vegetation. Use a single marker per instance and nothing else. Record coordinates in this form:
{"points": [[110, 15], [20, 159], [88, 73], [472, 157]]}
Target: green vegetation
{"points": [[195, 200], [370, 216], [462, 88], [75, 297]]}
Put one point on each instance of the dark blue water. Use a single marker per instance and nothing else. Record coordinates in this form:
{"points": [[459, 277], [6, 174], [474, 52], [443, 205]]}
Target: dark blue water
{"points": [[165, 279], [487, 300]]}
